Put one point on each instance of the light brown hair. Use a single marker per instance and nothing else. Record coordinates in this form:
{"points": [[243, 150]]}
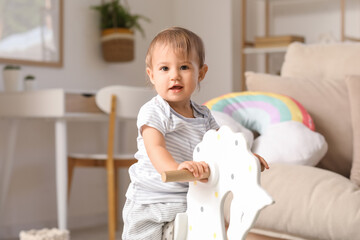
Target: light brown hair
{"points": [[181, 40]]}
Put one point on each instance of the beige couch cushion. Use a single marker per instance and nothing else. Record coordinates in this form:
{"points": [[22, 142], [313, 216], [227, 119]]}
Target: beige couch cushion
{"points": [[311, 203], [327, 103], [322, 61], [353, 85]]}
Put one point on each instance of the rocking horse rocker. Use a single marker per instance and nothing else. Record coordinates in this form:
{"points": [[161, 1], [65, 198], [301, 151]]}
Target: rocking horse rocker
{"points": [[233, 169]]}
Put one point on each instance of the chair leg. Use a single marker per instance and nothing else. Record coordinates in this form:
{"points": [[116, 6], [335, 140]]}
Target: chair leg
{"points": [[116, 177], [71, 166], [110, 168], [111, 205]]}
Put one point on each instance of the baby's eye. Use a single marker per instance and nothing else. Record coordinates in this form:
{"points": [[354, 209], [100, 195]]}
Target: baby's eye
{"points": [[184, 67], [164, 68]]}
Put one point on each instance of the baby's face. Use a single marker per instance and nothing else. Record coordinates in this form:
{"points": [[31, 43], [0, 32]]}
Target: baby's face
{"points": [[174, 75]]}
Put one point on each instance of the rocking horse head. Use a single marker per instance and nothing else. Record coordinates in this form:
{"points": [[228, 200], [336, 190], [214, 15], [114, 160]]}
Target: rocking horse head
{"points": [[233, 169]]}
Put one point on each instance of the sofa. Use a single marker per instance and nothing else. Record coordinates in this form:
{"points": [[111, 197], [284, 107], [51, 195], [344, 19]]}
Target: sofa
{"points": [[320, 202]]}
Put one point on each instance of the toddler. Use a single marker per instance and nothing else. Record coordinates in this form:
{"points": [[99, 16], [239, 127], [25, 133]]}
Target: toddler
{"points": [[169, 127]]}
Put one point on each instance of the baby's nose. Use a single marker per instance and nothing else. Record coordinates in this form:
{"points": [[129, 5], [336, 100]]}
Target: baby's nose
{"points": [[174, 74]]}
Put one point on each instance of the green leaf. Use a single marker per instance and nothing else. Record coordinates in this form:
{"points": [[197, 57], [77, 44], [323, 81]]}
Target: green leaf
{"points": [[114, 15], [12, 67]]}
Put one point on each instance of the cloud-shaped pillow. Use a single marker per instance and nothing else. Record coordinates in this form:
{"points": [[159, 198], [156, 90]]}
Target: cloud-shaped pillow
{"points": [[290, 142]]}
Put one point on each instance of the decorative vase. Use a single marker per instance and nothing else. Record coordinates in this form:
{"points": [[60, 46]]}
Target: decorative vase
{"points": [[11, 77], [117, 45]]}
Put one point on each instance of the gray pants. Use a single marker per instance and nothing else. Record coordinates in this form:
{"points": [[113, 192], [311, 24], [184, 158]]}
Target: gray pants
{"points": [[146, 221]]}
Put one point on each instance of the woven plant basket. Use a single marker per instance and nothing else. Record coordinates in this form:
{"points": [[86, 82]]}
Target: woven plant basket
{"points": [[117, 45]]}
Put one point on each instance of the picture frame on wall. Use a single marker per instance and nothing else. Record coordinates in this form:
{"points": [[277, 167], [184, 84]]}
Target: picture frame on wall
{"points": [[31, 32]]}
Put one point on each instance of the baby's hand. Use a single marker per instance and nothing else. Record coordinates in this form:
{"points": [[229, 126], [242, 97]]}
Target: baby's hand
{"points": [[197, 168], [263, 163]]}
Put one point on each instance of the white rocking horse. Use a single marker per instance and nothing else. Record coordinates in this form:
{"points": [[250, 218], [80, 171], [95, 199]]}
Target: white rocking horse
{"points": [[233, 169]]}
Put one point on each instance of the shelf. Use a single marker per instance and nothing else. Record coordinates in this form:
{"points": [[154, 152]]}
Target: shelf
{"points": [[247, 49], [251, 50]]}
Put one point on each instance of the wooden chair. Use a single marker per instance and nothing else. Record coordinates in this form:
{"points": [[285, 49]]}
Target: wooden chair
{"points": [[124, 103]]}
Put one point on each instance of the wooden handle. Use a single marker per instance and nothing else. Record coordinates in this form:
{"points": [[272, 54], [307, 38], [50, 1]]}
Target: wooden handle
{"points": [[182, 176]]}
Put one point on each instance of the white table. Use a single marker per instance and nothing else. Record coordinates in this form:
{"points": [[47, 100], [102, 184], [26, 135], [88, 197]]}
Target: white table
{"points": [[43, 105]]}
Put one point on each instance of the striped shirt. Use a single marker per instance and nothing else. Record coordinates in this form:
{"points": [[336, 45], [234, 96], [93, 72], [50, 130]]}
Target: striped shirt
{"points": [[181, 136]]}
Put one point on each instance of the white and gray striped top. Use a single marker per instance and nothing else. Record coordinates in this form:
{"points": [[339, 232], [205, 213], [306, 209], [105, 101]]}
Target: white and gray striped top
{"points": [[181, 136]]}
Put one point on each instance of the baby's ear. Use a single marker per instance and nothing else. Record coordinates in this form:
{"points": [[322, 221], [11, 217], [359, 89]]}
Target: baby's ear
{"points": [[202, 72], [150, 75]]}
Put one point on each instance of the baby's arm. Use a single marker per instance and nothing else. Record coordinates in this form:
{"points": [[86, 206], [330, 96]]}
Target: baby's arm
{"points": [[161, 158]]}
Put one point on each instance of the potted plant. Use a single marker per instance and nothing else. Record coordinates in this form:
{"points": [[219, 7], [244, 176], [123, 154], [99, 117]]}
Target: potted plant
{"points": [[118, 26], [29, 82], [11, 76]]}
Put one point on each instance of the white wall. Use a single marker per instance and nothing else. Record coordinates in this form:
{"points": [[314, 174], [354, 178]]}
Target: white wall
{"points": [[31, 201]]}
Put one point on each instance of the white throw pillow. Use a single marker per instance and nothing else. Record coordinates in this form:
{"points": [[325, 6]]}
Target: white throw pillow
{"points": [[224, 119], [290, 142]]}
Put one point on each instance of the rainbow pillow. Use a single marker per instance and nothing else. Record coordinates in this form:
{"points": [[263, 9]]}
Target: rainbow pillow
{"points": [[258, 110]]}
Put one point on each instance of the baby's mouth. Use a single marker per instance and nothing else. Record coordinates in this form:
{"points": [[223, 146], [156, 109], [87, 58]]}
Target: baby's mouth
{"points": [[176, 88]]}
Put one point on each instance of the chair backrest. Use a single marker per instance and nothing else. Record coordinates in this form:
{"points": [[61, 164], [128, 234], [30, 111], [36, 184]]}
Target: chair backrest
{"points": [[129, 99]]}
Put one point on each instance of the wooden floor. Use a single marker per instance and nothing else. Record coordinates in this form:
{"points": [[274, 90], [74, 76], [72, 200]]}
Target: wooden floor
{"points": [[100, 233], [94, 233]]}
